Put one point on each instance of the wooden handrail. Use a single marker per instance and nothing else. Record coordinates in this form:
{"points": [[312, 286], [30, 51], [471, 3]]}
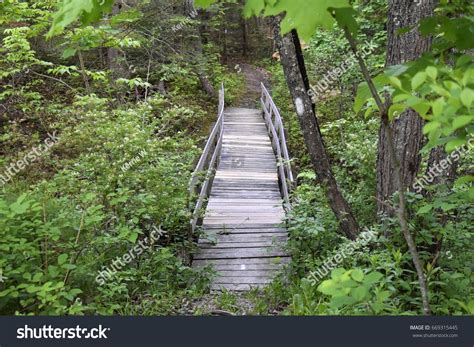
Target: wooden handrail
{"points": [[203, 175], [276, 131]]}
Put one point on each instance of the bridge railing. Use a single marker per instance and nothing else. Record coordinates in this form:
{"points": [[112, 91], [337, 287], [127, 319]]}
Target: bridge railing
{"points": [[276, 131], [201, 180]]}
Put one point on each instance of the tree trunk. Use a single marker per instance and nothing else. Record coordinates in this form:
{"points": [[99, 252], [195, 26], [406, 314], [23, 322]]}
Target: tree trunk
{"points": [[407, 128], [114, 55], [297, 80], [83, 72], [199, 59], [244, 28]]}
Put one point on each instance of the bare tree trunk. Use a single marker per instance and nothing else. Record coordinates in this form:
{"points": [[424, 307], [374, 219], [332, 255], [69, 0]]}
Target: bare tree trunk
{"points": [[244, 28], [199, 59], [114, 55], [83, 72], [407, 129], [224, 44], [297, 80]]}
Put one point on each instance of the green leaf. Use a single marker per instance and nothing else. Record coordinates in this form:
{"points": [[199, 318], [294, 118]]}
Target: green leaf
{"points": [[62, 259], [431, 126], [467, 96], [464, 60], [428, 25], [462, 121], [357, 275], [302, 15], [383, 295], [327, 287], [68, 52], [395, 81], [133, 237], [360, 293], [425, 209], [339, 301], [422, 108], [204, 3], [454, 144], [345, 18], [438, 107], [87, 11], [418, 80], [372, 278], [363, 94], [254, 8], [396, 70], [463, 180], [470, 307], [125, 17], [432, 72], [337, 272], [400, 97]]}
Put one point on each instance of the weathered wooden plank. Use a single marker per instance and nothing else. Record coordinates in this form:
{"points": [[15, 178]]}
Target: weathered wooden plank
{"points": [[248, 208], [237, 223], [257, 201], [264, 252], [242, 280], [206, 238], [237, 267], [228, 245], [241, 228], [247, 273], [256, 214], [242, 261]]}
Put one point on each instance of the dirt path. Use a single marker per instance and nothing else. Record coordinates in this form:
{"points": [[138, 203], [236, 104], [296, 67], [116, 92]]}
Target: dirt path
{"points": [[253, 77]]}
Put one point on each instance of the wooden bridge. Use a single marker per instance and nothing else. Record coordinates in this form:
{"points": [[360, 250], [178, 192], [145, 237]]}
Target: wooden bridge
{"points": [[244, 175]]}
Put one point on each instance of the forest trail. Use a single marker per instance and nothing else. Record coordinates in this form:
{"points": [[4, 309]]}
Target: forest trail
{"points": [[242, 234], [253, 75]]}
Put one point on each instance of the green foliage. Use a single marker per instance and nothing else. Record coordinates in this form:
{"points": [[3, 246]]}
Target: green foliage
{"points": [[130, 130], [35, 280], [93, 210], [303, 15], [444, 97], [354, 288], [87, 11]]}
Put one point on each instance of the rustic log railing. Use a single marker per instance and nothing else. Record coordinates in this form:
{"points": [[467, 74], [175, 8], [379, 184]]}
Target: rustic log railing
{"points": [[203, 175], [277, 135]]}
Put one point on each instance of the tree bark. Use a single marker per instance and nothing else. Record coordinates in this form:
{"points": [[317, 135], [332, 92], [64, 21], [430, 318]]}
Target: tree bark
{"points": [[407, 129], [244, 28], [199, 59], [113, 54], [83, 72], [295, 73]]}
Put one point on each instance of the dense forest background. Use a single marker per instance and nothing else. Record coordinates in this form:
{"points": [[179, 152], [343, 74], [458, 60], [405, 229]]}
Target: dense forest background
{"points": [[107, 105]]}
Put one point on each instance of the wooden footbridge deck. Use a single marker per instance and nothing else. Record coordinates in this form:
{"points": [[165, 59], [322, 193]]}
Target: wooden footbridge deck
{"points": [[244, 175]]}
